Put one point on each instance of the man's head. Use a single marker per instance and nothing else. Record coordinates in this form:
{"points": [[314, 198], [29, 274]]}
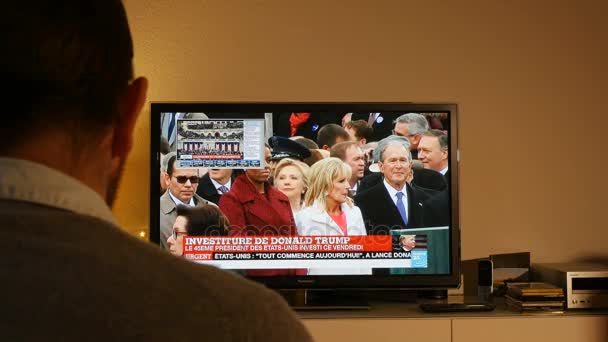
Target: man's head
{"points": [[220, 175], [411, 126], [182, 182], [359, 131], [433, 150], [331, 134], [69, 66], [407, 241], [350, 153], [380, 145], [164, 165], [395, 162]]}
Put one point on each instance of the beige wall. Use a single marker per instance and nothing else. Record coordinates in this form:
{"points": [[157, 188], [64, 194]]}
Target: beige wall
{"points": [[529, 76]]}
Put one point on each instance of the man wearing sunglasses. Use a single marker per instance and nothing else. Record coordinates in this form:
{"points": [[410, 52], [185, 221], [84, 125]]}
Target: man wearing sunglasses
{"points": [[181, 191]]}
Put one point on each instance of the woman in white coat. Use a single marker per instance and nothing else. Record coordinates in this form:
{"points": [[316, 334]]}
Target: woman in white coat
{"points": [[329, 211]]}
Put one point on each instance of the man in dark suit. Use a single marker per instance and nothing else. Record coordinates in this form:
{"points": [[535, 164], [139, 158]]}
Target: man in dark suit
{"points": [[214, 184], [421, 177], [433, 152], [437, 210], [392, 203]]}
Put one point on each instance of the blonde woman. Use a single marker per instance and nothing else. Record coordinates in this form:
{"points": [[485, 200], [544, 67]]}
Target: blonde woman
{"points": [[291, 178], [328, 210]]}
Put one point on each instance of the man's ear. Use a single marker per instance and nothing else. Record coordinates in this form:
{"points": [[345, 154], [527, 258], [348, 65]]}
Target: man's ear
{"points": [[167, 179], [130, 109]]}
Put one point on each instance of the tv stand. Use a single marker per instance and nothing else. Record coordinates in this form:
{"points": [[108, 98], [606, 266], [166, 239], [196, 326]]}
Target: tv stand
{"points": [[433, 294], [390, 321], [355, 299], [324, 300]]}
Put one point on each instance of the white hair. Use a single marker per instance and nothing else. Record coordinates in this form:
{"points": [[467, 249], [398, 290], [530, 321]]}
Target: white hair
{"points": [[416, 123], [391, 140]]}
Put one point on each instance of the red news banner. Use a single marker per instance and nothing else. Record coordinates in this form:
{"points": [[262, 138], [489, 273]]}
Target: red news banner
{"points": [[254, 252]]}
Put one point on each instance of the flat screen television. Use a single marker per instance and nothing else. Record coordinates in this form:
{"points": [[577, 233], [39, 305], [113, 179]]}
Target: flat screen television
{"points": [[205, 136]]}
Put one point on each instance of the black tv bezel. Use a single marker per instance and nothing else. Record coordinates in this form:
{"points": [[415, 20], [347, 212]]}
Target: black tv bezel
{"points": [[435, 281]]}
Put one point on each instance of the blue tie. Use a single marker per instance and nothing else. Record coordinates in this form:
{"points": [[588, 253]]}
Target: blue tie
{"points": [[401, 207]]}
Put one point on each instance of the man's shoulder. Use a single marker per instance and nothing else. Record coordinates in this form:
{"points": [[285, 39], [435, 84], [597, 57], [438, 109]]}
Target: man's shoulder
{"points": [[421, 193], [166, 203], [206, 186], [202, 201], [93, 264]]}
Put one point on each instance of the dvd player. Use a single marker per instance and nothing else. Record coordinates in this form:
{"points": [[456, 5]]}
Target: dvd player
{"points": [[585, 285]]}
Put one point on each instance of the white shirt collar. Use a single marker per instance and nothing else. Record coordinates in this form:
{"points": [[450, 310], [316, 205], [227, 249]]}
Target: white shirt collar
{"points": [[444, 170], [177, 201], [393, 192], [28, 181], [218, 185]]}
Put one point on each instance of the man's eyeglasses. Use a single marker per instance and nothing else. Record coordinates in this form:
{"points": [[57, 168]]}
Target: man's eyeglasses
{"points": [[184, 179]]}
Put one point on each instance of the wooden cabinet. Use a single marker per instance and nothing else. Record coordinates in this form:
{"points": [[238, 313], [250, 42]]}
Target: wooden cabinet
{"points": [[380, 330], [527, 328], [404, 322]]}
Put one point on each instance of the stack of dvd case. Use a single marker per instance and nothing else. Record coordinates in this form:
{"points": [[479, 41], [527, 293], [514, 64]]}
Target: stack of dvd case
{"points": [[534, 296]]}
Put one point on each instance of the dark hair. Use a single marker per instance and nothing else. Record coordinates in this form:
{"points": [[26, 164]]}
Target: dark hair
{"points": [[362, 129], [164, 145], [171, 166], [315, 156], [67, 62], [207, 220], [329, 133], [339, 150]]}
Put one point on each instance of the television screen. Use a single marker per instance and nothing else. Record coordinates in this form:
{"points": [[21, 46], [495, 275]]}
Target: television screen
{"points": [[313, 195]]}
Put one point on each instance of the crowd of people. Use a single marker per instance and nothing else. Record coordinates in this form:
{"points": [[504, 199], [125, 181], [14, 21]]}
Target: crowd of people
{"points": [[355, 186], [214, 124], [210, 135], [211, 152]]}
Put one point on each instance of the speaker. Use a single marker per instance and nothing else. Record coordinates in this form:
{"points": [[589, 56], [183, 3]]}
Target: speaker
{"points": [[484, 279]]}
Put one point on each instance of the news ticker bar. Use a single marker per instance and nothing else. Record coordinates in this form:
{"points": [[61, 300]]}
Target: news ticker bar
{"points": [[289, 264], [413, 259], [267, 252]]}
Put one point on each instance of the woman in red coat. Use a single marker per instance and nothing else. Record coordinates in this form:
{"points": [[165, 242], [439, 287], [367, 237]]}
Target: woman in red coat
{"points": [[253, 207]]}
